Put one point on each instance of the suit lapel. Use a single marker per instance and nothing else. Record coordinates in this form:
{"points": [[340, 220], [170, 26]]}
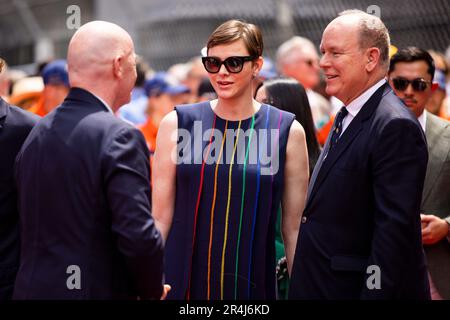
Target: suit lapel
{"points": [[86, 98], [344, 141], [319, 163], [352, 131], [438, 150], [3, 111]]}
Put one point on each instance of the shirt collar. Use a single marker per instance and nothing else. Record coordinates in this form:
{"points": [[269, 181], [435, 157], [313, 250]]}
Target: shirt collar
{"points": [[104, 103], [3, 106], [355, 106], [423, 120]]}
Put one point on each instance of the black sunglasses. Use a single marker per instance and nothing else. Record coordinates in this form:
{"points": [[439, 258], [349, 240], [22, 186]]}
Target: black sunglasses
{"points": [[232, 64], [418, 84]]}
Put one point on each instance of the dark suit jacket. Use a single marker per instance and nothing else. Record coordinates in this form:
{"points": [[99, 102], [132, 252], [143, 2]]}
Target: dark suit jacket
{"points": [[15, 124], [84, 200], [436, 198], [363, 209]]}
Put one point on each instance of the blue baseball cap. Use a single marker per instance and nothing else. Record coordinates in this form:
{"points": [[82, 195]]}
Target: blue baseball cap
{"points": [[267, 74], [55, 72], [268, 70], [162, 83]]}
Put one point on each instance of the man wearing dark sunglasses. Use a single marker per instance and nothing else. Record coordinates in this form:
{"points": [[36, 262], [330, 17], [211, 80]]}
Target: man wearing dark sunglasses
{"points": [[410, 74]]}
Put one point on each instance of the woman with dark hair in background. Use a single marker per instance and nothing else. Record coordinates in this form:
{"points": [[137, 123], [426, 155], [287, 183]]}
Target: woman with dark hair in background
{"points": [[289, 95]]}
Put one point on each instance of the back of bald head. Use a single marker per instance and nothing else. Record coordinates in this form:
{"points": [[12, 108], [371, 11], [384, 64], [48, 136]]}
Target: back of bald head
{"points": [[92, 50]]}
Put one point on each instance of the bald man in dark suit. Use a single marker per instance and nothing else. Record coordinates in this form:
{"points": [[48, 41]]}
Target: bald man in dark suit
{"points": [[84, 185]]}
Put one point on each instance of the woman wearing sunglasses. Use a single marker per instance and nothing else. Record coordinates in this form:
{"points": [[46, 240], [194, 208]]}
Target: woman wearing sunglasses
{"points": [[221, 169]]}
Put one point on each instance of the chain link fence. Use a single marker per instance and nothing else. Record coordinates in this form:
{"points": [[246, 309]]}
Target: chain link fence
{"points": [[172, 31]]}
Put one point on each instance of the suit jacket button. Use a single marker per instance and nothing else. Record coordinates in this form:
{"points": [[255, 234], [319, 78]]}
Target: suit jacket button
{"points": [[304, 219]]}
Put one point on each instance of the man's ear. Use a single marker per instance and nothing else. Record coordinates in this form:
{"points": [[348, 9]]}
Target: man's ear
{"points": [[434, 86], [117, 66], [373, 58], [257, 65]]}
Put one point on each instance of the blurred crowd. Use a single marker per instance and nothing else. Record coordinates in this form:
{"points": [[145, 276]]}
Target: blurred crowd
{"points": [[157, 92]]}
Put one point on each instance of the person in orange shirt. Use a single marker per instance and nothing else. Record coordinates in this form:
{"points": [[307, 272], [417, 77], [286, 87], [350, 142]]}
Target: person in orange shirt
{"points": [[163, 94], [56, 87], [322, 133]]}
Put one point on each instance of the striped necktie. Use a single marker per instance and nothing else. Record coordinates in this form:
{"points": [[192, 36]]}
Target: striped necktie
{"points": [[337, 128]]}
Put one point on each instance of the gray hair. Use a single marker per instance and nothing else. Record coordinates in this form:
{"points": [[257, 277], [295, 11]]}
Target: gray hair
{"points": [[292, 49], [372, 33]]}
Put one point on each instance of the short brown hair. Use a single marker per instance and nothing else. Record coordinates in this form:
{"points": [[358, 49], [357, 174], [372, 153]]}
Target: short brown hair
{"points": [[233, 30], [2, 63]]}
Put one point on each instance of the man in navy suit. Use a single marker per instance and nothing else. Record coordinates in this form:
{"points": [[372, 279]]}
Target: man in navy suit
{"points": [[360, 235], [15, 125], [84, 185]]}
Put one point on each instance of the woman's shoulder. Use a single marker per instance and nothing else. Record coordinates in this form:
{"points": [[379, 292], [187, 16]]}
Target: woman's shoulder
{"points": [[283, 115], [187, 114], [192, 107]]}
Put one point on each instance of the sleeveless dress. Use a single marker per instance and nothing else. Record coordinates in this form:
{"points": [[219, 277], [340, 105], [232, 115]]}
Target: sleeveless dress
{"points": [[229, 183]]}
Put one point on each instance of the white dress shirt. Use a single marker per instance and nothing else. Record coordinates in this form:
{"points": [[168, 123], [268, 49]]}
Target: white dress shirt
{"points": [[423, 119], [355, 106]]}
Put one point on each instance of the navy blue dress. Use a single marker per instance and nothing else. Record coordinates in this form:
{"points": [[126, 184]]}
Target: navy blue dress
{"points": [[229, 183]]}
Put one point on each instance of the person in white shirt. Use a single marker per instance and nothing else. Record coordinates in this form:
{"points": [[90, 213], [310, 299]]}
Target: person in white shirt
{"points": [[297, 58]]}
